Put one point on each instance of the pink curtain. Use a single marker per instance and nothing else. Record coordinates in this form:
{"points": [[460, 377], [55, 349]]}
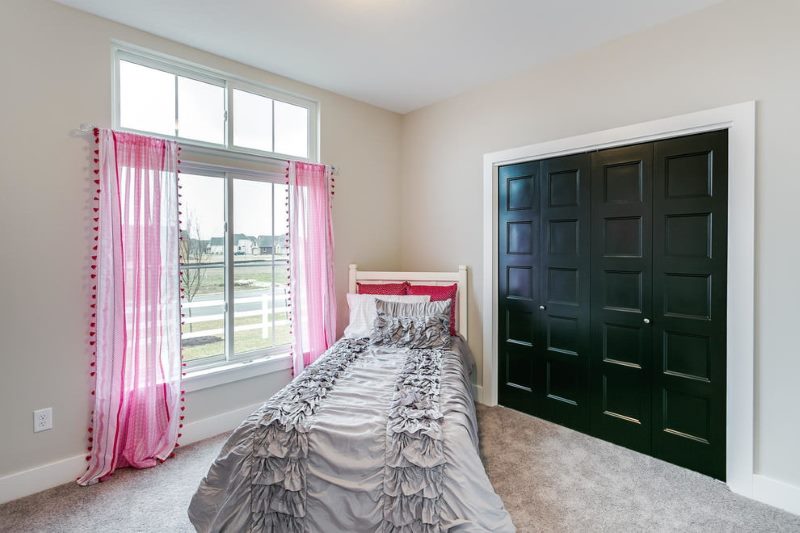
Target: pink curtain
{"points": [[136, 314], [311, 262]]}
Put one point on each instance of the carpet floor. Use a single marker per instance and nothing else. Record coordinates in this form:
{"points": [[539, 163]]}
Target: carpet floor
{"points": [[551, 479]]}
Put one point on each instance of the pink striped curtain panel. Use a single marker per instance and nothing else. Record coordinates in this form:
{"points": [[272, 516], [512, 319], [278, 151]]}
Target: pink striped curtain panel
{"points": [[313, 307], [136, 305]]}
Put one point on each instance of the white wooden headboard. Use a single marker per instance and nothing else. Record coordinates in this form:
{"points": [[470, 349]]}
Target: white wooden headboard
{"points": [[421, 278]]}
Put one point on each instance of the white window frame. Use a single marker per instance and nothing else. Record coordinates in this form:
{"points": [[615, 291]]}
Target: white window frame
{"points": [[172, 65], [230, 359]]}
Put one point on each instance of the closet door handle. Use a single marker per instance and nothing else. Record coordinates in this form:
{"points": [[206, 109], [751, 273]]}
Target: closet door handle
{"points": [[542, 307], [646, 320]]}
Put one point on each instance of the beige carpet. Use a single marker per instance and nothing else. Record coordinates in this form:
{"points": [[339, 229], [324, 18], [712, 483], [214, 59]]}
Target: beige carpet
{"points": [[550, 478], [554, 479]]}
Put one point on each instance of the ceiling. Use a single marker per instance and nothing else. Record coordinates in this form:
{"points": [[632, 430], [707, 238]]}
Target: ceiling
{"points": [[397, 54]]}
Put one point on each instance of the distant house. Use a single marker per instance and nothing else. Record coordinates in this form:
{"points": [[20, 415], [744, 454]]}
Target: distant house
{"points": [[244, 243], [270, 244], [191, 247], [216, 246], [244, 246]]}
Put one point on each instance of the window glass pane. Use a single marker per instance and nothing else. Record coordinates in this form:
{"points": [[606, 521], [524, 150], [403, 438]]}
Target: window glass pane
{"points": [[281, 258], [252, 121], [259, 272], [291, 129], [203, 267], [146, 99], [201, 111], [281, 210]]}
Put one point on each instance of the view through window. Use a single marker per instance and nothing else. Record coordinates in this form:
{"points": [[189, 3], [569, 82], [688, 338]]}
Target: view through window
{"points": [[234, 268], [203, 107], [234, 223]]}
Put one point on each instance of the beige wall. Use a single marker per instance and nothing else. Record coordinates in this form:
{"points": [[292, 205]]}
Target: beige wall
{"points": [[56, 74], [55, 65], [733, 52]]}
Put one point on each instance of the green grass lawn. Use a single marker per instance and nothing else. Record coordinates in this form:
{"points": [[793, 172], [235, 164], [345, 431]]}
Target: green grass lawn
{"points": [[249, 273], [244, 341], [213, 279]]}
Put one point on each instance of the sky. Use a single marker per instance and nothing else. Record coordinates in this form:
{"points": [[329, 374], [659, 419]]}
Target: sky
{"points": [[204, 206]]}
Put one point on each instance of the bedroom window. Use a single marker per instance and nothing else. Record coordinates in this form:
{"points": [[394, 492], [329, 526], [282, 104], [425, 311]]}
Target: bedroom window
{"points": [[234, 266], [201, 107]]}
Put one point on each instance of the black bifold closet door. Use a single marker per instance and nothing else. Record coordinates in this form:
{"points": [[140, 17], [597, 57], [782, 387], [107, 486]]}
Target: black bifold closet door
{"points": [[612, 289]]}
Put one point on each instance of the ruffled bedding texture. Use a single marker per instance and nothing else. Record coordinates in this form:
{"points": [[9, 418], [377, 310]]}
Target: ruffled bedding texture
{"points": [[367, 439]]}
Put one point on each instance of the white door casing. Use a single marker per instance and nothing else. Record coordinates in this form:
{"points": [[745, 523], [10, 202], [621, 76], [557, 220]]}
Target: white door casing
{"points": [[739, 120]]}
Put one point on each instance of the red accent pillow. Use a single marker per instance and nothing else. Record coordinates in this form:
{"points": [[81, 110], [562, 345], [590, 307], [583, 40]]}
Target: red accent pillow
{"points": [[440, 293], [387, 289]]}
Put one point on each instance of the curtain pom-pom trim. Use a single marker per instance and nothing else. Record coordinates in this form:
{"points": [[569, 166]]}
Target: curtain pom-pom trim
{"points": [[290, 311], [181, 292], [95, 229]]}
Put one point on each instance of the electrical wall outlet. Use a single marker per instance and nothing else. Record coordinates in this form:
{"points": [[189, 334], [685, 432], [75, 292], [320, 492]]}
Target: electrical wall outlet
{"points": [[42, 419]]}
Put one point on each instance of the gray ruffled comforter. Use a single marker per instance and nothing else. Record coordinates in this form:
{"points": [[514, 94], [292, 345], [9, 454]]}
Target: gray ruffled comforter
{"points": [[368, 439]]}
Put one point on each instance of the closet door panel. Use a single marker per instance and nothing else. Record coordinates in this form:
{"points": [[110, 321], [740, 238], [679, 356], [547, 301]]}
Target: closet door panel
{"points": [[612, 295], [564, 313], [621, 300], [521, 373], [689, 296]]}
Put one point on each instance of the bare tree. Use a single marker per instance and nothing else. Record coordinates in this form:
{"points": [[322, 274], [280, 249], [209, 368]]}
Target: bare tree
{"points": [[193, 251]]}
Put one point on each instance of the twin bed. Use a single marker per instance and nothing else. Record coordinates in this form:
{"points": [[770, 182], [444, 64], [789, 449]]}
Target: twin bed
{"points": [[371, 437]]}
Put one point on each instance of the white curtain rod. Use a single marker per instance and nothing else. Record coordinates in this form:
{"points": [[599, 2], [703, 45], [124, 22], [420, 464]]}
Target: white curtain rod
{"points": [[87, 128]]}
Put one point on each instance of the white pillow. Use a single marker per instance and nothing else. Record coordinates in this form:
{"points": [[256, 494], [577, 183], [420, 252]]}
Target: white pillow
{"points": [[363, 312]]}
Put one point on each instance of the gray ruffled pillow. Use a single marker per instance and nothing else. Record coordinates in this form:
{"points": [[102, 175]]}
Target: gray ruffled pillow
{"points": [[418, 325]]}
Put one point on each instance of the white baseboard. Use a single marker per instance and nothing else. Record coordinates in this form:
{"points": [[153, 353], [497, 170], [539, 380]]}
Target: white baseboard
{"points": [[214, 425], [20, 484], [43, 477], [39, 478], [776, 493], [477, 393]]}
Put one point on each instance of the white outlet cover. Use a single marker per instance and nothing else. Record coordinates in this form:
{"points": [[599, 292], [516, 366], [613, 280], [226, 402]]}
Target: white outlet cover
{"points": [[42, 419]]}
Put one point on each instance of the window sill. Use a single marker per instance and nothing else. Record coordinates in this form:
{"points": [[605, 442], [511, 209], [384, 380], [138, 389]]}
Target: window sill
{"points": [[220, 375]]}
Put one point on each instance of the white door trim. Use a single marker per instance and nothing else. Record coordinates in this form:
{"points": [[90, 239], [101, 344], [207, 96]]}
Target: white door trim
{"points": [[740, 121]]}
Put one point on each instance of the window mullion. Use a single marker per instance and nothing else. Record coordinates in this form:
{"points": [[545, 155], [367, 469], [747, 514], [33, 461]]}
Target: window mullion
{"points": [[228, 115], [176, 106], [311, 137], [273, 125], [230, 305]]}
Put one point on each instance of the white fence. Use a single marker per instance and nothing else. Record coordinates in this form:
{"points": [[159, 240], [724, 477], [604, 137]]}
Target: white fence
{"points": [[265, 312]]}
